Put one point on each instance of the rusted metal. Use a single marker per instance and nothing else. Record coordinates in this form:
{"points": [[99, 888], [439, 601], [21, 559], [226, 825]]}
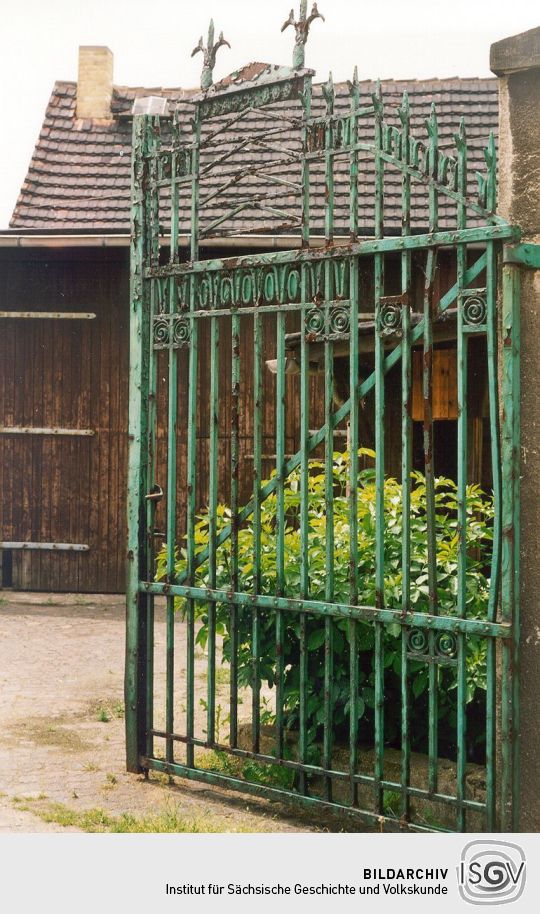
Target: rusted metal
{"points": [[209, 55], [301, 28]]}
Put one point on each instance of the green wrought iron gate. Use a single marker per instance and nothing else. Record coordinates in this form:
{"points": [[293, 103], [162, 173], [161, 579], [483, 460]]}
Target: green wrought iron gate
{"points": [[334, 634]]}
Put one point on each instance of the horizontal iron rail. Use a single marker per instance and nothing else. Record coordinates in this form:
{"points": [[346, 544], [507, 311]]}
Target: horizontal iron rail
{"points": [[340, 610], [504, 232], [318, 771], [285, 796], [55, 547]]}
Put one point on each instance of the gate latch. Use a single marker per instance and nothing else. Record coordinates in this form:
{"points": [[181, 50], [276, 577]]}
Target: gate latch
{"points": [[155, 493]]}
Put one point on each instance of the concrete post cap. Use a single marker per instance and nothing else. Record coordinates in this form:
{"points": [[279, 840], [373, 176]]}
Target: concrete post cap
{"points": [[519, 52]]}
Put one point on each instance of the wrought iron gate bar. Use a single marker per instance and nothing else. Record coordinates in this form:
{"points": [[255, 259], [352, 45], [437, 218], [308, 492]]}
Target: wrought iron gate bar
{"points": [[317, 771], [343, 610], [256, 146], [387, 245], [387, 823]]}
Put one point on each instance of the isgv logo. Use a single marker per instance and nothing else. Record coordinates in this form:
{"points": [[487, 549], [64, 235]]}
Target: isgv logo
{"points": [[491, 872]]}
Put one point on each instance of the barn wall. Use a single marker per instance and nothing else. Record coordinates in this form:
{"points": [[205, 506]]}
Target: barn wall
{"points": [[73, 374]]}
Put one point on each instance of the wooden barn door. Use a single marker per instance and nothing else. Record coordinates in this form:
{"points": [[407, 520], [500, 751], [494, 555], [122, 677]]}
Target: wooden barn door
{"points": [[62, 431]]}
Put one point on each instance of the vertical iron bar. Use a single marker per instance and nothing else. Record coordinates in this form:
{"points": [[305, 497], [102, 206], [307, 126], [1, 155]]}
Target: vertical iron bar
{"points": [[280, 526], [304, 517], [406, 438], [192, 449], [354, 381], [427, 385], [329, 447], [171, 461], [462, 454], [379, 455], [150, 524], [495, 440], [151, 203], [304, 435], [172, 414], [135, 670], [258, 394], [235, 468], [212, 525]]}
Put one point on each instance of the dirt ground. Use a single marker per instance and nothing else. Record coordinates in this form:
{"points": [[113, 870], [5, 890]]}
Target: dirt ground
{"points": [[62, 729]]}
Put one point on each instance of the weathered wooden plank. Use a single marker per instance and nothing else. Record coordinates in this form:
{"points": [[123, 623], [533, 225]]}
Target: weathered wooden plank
{"points": [[30, 430], [55, 547], [48, 315]]}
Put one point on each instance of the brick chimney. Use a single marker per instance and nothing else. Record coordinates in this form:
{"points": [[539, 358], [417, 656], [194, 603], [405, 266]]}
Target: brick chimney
{"points": [[95, 82]]}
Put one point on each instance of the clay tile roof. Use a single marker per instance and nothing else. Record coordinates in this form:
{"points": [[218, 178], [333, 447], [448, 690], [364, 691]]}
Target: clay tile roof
{"points": [[78, 180]]}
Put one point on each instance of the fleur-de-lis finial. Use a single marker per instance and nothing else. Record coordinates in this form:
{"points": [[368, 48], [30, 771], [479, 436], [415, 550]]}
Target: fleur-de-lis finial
{"points": [[209, 55], [301, 29]]}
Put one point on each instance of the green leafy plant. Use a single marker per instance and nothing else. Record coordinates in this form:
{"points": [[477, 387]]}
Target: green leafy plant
{"points": [[479, 542]]}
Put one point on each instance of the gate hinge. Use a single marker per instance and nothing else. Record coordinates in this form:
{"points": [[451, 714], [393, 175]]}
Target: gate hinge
{"points": [[527, 255]]}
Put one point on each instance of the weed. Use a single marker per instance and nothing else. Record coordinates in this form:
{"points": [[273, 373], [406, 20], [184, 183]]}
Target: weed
{"points": [[249, 770], [391, 803], [223, 676], [106, 711], [170, 819]]}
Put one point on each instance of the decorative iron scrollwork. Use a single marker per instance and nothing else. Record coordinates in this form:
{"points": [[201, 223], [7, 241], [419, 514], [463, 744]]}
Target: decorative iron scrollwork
{"points": [[301, 28], [340, 321], [445, 645], [181, 331], [474, 309], [315, 321], [161, 331], [171, 331], [390, 318], [209, 55], [417, 641]]}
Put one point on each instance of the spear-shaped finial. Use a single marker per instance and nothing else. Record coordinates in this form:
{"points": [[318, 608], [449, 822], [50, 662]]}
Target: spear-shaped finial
{"points": [[301, 29], [209, 55], [377, 99], [354, 88], [404, 110], [329, 94]]}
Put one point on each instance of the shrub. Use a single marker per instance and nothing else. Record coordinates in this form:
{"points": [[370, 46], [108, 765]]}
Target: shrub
{"points": [[479, 537]]}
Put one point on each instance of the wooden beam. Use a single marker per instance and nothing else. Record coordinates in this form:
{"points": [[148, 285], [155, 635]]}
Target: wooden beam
{"points": [[55, 547], [50, 315], [30, 430]]}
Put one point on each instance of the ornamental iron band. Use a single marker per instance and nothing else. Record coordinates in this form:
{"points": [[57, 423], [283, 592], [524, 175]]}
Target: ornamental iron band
{"points": [[376, 649]]}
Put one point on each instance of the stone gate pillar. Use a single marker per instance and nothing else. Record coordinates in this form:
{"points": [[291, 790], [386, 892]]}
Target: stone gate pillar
{"points": [[516, 61]]}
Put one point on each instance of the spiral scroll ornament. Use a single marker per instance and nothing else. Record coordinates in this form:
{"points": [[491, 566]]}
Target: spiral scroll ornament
{"points": [[417, 641], [340, 320], [389, 318], [315, 321], [181, 332], [445, 645], [161, 331], [474, 309]]}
